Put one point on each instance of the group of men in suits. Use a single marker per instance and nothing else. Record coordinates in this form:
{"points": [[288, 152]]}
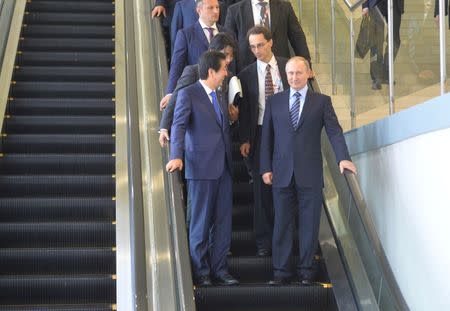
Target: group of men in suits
{"points": [[284, 156]]}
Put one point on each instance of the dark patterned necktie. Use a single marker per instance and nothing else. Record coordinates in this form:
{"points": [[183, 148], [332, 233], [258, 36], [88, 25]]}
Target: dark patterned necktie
{"points": [[268, 82], [295, 109], [263, 14], [211, 33]]}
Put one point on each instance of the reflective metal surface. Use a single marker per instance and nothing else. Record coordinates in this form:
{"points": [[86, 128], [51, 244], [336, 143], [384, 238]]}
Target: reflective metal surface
{"points": [[125, 286], [10, 55]]}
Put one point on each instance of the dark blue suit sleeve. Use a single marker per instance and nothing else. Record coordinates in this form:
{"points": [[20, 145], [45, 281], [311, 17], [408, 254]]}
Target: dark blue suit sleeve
{"points": [[161, 2], [177, 24], [178, 62], [267, 142], [334, 132], [180, 122]]}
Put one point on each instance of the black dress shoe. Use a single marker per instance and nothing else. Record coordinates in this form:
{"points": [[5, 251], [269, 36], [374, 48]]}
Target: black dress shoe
{"points": [[263, 252], [203, 280], [376, 85], [279, 281], [226, 280], [306, 282]]}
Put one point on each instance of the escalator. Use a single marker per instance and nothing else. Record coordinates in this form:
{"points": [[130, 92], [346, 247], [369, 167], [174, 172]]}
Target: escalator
{"points": [[57, 161], [254, 272]]}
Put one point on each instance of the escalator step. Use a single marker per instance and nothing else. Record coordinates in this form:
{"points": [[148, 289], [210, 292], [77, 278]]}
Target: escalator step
{"points": [[57, 185], [48, 261], [67, 31], [68, 19], [71, 6], [61, 234], [242, 193], [61, 106], [240, 172], [90, 307], [57, 289], [59, 125], [261, 297], [64, 74], [66, 45], [91, 59], [63, 89], [24, 143], [56, 209], [57, 164]]}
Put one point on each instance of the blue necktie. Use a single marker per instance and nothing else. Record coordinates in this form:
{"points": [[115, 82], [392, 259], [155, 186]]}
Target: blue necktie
{"points": [[215, 103], [295, 109]]}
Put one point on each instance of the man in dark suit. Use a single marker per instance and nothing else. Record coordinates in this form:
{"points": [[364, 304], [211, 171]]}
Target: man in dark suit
{"points": [[379, 64], [259, 80], [222, 42], [278, 16], [192, 41], [201, 133], [291, 161]]}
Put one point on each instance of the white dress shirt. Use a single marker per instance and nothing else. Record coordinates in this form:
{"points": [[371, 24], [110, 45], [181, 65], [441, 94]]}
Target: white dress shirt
{"points": [[206, 31], [277, 84]]}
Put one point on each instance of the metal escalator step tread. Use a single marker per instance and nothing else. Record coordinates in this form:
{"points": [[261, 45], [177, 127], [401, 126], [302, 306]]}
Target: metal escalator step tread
{"points": [[61, 106], [63, 89], [92, 59], [57, 234], [30, 143], [69, 19], [67, 45], [68, 31], [57, 261], [57, 185], [64, 74], [258, 297], [71, 6], [59, 125], [57, 289], [76, 209], [75, 164]]}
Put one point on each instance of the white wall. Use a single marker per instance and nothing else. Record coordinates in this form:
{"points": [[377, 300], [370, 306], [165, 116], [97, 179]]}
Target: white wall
{"points": [[407, 188]]}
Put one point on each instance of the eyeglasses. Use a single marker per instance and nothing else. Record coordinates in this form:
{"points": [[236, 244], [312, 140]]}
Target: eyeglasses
{"points": [[258, 46]]}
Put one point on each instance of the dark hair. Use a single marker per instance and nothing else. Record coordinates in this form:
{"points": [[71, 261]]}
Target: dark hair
{"points": [[209, 60], [221, 41], [260, 30]]}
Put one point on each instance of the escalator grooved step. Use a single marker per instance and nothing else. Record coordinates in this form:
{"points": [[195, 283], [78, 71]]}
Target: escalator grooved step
{"points": [[64, 74], [92, 59], [69, 19], [71, 6], [67, 31], [63, 89], [67, 44], [65, 307]]}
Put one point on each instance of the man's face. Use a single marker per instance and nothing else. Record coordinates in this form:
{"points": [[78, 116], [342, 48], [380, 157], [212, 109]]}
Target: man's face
{"points": [[261, 48], [208, 11], [228, 51], [297, 74], [218, 76]]}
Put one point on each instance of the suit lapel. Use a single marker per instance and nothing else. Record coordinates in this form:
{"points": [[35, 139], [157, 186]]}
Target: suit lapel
{"points": [[307, 106], [204, 98], [274, 22], [201, 34], [281, 63], [247, 15]]}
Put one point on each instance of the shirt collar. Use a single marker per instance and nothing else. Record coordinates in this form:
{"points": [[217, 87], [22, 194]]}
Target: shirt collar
{"points": [[203, 25], [207, 89], [254, 2], [302, 92], [262, 65]]}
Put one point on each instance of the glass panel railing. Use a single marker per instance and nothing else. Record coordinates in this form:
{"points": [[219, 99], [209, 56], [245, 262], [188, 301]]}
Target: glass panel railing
{"points": [[359, 85], [370, 275]]}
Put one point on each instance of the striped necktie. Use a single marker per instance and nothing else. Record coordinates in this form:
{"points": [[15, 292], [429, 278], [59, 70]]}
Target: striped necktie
{"points": [[295, 109], [268, 82], [211, 33]]}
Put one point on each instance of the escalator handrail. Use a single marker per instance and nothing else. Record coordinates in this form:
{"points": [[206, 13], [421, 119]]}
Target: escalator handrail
{"points": [[370, 230]]}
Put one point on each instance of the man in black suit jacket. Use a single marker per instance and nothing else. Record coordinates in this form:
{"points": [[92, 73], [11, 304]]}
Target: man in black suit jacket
{"points": [[252, 105], [282, 22]]}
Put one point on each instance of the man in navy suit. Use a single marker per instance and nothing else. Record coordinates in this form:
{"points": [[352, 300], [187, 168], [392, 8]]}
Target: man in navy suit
{"points": [[192, 41], [291, 161], [201, 133], [259, 80], [278, 16]]}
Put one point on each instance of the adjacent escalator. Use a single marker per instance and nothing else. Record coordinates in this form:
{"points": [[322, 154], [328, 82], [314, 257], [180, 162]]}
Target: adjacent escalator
{"points": [[57, 161]]}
